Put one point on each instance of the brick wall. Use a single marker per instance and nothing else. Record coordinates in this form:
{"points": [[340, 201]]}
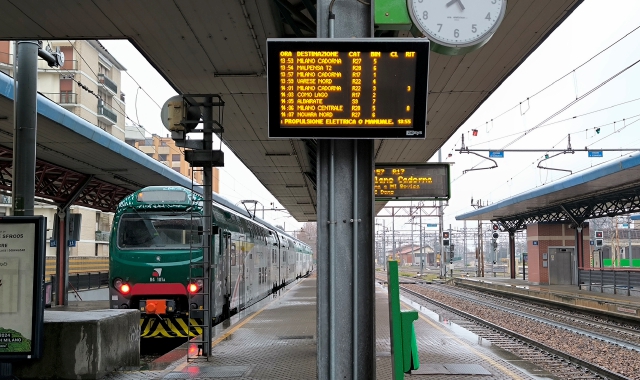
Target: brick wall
{"points": [[550, 235]]}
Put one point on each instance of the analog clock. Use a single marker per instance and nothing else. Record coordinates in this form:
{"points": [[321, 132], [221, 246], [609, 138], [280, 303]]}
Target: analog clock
{"points": [[457, 26]]}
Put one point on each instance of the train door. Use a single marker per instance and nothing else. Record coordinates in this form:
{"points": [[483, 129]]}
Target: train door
{"points": [[249, 267], [235, 273]]}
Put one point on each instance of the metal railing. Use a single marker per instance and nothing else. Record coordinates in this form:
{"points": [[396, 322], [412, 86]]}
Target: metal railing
{"points": [[85, 281], [104, 110], [62, 97], [108, 83], [614, 281]]}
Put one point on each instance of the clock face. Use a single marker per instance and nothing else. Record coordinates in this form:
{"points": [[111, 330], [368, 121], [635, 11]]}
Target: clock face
{"points": [[457, 23]]}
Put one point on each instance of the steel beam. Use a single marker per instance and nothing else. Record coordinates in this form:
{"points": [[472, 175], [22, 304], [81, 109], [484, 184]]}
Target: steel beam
{"points": [[24, 136], [346, 273], [59, 185]]}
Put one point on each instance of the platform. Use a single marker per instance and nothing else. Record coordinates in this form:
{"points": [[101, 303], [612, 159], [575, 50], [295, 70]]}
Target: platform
{"points": [[619, 305], [277, 340]]}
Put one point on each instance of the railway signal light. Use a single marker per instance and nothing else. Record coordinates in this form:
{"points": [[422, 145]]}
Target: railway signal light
{"points": [[599, 235], [475, 132], [495, 235], [495, 227], [445, 238], [599, 238]]}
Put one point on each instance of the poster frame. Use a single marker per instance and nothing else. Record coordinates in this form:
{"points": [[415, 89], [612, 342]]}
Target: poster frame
{"points": [[37, 316]]}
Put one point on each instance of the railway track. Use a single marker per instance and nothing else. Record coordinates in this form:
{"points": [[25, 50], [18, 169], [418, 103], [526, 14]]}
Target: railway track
{"points": [[563, 363]]}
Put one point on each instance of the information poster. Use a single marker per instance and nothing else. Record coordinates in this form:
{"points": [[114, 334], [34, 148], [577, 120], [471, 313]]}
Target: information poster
{"points": [[21, 280]]}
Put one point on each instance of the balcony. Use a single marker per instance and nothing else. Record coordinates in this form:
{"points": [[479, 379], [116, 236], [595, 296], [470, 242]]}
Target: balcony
{"points": [[63, 98], [108, 84], [106, 114]]}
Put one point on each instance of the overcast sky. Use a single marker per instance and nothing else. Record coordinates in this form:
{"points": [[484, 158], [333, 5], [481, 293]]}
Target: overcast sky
{"points": [[595, 25]]}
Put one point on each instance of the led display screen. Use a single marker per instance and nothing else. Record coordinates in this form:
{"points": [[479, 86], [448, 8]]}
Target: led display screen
{"points": [[347, 88], [411, 181]]}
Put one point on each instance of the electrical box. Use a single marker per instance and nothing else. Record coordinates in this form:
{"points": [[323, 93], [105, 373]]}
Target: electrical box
{"points": [[392, 15]]}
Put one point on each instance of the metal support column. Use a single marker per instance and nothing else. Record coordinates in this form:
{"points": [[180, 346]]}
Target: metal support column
{"points": [[207, 180], [345, 350], [512, 252], [61, 220], [24, 135], [579, 252]]}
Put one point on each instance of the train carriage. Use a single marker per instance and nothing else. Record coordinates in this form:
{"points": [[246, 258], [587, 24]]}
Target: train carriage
{"points": [[156, 256]]}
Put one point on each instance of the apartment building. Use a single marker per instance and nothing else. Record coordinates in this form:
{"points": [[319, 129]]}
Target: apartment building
{"points": [[164, 149], [87, 63], [100, 102]]}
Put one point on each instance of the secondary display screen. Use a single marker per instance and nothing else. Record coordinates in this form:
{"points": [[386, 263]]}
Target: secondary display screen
{"points": [[411, 181], [347, 88]]}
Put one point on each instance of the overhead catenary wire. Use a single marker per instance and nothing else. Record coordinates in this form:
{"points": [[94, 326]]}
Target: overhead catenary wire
{"points": [[559, 121], [573, 102], [559, 79]]}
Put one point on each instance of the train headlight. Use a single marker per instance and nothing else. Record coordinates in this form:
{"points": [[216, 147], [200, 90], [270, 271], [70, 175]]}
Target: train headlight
{"points": [[121, 286], [125, 289], [193, 288]]}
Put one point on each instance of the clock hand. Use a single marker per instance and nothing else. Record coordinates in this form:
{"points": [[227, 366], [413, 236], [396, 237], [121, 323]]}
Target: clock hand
{"points": [[450, 3]]}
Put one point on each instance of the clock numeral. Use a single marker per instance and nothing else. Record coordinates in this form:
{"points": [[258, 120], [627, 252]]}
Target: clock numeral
{"points": [[425, 15], [440, 27], [473, 28], [488, 16], [456, 33]]}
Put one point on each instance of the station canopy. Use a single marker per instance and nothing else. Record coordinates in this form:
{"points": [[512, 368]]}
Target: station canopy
{"points": [[606, 190], [219, 47]]}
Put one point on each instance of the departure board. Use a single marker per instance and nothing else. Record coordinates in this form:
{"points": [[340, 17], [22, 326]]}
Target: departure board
{"points": [[347, 88], [411, 181]]}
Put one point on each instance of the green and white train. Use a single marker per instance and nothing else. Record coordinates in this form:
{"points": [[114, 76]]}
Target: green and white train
{"points": [[156, 238]]}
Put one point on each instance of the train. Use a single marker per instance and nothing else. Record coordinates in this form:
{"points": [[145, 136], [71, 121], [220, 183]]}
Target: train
{"points": [[156, 260]]}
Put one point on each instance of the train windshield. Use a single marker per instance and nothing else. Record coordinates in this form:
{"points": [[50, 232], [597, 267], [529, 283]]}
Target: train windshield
{"points": [[159, 230]]}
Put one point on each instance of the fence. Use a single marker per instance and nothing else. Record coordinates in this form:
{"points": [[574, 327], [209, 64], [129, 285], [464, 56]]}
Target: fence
{"points": [[84, 281], [615, 281]]}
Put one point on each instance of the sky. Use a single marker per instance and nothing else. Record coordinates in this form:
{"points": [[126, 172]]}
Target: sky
{"points": [[518, 105]]}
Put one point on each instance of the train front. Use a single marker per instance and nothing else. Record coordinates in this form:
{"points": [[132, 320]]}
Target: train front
{"points": [[156, 237]]}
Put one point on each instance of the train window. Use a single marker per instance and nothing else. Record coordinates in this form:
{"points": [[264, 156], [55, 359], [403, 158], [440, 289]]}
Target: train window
{"points": [[156, 230], [273, 256]]}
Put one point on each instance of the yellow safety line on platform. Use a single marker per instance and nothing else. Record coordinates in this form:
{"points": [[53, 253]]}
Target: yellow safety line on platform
{"points": [[236, 327], [497, 365]]}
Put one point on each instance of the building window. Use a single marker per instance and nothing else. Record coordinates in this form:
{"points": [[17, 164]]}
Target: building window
{"points": [[103, 70], [162, 157], [163, 143], [148, 142], [150, 155], [175, 157], [176, 169]]}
